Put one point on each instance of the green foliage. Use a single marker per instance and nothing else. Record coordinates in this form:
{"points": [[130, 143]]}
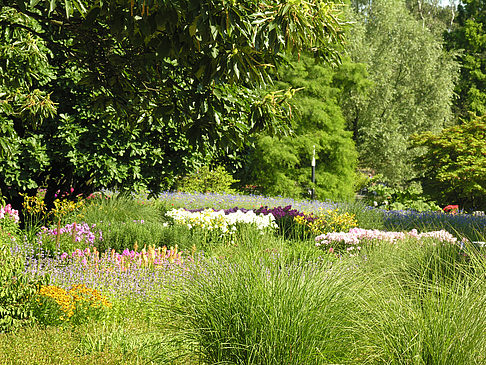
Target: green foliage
{"points": [[436, 15], [282, 165], [380, 194], [469, 36], [454, 164], [133, 95], [412, 80], [207, 180], [17, 292]]}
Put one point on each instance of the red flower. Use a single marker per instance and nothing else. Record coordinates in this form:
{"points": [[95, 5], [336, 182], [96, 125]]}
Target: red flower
{"points": [[451, 209]]}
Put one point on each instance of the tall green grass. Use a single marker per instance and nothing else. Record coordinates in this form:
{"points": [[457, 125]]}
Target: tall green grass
{"points": [[421, 304], [266, 312], [118, 208], [367, 217]]}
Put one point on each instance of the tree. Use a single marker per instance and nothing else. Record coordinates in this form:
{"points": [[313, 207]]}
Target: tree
{"points": [[453, 164], [433, 14], [282, 165], [129, 94], [412, 87], [470, 36]]}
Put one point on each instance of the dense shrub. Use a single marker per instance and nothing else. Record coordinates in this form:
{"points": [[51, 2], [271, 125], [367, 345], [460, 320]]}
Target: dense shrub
{"points": [[207, 180], [378, 193], [453, 164], [17, 292]]}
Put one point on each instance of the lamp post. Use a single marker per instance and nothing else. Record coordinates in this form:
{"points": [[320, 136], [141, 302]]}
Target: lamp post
{"points": [[313, 164]]}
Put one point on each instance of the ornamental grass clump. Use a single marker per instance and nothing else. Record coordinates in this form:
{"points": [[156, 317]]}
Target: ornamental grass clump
{"points": [[79, 304], [420, 304], [121, 235], [265, 312]]}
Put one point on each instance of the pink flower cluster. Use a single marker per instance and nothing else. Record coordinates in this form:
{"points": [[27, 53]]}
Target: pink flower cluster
{"points": [[153, 257], [357, 236], [7, 211], [82, 232]]}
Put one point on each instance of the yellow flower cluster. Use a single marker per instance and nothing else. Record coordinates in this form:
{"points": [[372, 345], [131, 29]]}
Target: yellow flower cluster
{"points": [[328, 221], [65, 207], [34, 205], [81, 294], [77, 298]]}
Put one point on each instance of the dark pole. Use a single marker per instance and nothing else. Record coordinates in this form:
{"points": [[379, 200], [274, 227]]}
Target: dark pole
{"points": [[313, 164]]}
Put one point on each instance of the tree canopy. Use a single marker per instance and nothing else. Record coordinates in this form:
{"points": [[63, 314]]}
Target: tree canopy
{"points": [[469, 36], [409, 89], [282, 165], [453, 164], [110, 94]]}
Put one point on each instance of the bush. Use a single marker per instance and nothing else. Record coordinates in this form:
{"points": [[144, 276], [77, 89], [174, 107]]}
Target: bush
{"points": [[17, 293], [380, 194], [453, 164], [206, 180]]}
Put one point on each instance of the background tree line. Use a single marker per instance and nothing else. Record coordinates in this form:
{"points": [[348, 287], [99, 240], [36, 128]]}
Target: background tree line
{"points": [[135, 96]]}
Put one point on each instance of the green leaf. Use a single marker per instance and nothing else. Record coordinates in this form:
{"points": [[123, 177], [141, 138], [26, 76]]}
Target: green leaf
{"points": [[193, 28], [33, 3], [52, 5], [69, 8]]}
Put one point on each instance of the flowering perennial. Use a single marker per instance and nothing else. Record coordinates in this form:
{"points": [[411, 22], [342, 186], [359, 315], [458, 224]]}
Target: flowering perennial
{"points": [[78, 298], [327, 221], [8, 212], [218, 220], [114, 261], [145, 275], [353, 239], [79, 232]]}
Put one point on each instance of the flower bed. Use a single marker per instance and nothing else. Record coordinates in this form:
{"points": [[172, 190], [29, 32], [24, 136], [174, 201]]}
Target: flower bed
{"points": [[225, 224], [353, 240]]}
